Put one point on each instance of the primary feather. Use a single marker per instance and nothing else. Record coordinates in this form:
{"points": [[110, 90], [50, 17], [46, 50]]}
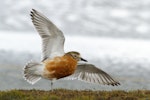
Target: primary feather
{"points": [[90, 73], [52, 38]]}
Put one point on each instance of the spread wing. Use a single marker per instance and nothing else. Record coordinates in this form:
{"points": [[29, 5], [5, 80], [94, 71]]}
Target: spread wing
{"points": [[52, 38], [92, 74]]}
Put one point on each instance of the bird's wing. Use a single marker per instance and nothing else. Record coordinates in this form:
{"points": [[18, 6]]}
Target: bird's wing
{"points": [[92, 74], [52, 38]]}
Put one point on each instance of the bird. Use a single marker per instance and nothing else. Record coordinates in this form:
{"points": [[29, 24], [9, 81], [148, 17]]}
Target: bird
{"points": [[55, 63]]}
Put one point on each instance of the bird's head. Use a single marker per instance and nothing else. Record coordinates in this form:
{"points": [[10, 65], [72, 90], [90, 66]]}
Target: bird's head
{"points": [[76, 55]]}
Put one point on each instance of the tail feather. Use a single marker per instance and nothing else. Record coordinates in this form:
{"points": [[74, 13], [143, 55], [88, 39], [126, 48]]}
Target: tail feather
{"points": [[33, 72]]}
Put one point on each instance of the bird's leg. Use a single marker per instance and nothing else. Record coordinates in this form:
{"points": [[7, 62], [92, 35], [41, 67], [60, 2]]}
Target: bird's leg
{"points": [[52, 80], [51, 85]]}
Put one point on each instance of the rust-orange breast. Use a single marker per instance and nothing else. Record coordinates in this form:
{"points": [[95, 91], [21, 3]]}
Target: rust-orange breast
{"points": [[59, 67]]}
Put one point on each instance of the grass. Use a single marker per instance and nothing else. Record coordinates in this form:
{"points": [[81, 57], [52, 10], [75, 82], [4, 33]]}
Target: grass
{"points": [[61, 94]]}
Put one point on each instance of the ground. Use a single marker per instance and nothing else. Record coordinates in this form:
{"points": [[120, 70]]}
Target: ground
{"points": [[62, 94]]}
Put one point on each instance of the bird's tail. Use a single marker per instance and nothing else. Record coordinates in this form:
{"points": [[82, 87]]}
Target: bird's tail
{"points": [[33, 72]]}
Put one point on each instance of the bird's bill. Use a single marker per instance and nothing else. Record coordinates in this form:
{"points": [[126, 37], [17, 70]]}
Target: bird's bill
{"points": [[83, 60]]}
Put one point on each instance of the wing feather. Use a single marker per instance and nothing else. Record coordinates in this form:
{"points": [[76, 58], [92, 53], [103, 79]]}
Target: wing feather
{"points": [[92, 74], [52, 38]]}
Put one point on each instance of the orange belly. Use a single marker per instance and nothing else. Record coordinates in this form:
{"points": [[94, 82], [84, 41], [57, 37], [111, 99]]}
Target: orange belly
{"points": [[59, 67]]}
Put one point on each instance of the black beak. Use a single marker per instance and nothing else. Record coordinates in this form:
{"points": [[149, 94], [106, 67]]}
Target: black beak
{"points": [[83, 60]]}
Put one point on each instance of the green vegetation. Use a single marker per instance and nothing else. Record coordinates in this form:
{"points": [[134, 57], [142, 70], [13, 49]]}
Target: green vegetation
{"points": [[61, 94]]}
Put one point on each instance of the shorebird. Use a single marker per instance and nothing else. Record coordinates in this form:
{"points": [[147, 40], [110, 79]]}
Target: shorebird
{"points": [[57, 64]]}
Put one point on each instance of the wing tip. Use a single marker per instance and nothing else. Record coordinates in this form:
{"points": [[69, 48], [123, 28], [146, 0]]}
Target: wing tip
{"points": [[115, 84], [33, 11], [32, 14]]}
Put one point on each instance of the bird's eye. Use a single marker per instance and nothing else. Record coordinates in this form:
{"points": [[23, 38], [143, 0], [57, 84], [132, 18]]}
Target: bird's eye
{"points": [[75, 56]]}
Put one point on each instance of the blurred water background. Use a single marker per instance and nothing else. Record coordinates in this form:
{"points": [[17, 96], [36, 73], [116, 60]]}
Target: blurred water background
{"points": [[113, 35]]}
